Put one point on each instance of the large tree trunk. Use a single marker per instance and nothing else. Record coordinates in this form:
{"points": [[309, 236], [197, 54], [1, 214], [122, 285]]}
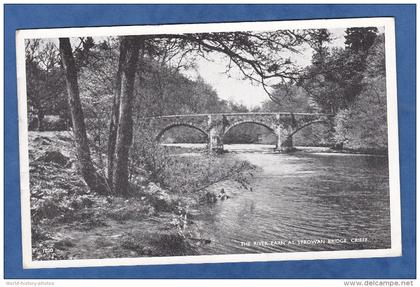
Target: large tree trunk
{"points": [[92, 179], [113, 123], [40, 116], [124, 135]]}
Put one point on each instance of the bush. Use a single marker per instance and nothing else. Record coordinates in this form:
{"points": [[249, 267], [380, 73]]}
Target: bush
{"points": [[160, 244], [173, 244], [148, 156], [363, 126], [49, 206], [185, 174]]}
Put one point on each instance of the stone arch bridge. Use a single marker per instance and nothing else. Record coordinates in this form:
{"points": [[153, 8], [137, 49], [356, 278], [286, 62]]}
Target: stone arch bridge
{"points": [[215, 126]]}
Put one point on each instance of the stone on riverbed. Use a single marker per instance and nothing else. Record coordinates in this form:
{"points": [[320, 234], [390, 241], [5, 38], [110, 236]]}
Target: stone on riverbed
{"points": [[222, 195], [212, 197]]}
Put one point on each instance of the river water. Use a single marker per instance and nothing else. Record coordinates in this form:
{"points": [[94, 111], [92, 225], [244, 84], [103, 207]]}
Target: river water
{"points": [[304, 201]]}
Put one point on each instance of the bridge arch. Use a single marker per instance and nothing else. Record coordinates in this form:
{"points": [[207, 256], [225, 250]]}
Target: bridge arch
{"points": [[325, 122], [268, 126], [159, 135]]}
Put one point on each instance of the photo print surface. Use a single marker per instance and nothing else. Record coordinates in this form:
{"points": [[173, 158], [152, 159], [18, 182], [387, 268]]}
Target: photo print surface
{"points": [[208, 143]]}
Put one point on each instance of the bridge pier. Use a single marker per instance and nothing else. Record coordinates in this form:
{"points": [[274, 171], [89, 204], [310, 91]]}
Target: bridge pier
{"points": [[215, 143], [286, 146], [284, 142]]}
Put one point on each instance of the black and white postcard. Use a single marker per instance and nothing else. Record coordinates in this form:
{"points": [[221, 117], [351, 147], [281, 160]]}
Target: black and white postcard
{"points": [[202, 143]]}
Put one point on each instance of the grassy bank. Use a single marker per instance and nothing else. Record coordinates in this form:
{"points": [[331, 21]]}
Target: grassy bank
{"points": [[69, 222]]}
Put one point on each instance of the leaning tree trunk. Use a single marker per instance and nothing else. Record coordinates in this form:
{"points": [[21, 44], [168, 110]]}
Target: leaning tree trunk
{"points": [[113, 124], [91, 177], [125, 118], [40, 117]]}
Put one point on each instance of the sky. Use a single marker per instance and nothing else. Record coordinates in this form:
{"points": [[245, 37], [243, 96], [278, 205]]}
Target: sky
{"points": [[241, 91]]}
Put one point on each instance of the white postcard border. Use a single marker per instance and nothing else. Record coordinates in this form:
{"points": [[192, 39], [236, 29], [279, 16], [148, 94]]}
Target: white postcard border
{"points": [[392, 117]]}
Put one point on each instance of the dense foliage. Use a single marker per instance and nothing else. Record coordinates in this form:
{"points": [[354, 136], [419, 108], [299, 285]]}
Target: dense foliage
{"points": [[347, 82], [45, 83], [363, 124]]}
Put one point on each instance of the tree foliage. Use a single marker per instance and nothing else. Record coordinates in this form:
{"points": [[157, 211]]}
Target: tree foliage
{"points": [[45, 82], [335, 77], [363, 125]]}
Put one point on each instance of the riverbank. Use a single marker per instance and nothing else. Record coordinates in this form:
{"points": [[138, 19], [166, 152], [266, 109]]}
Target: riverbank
{"points": [[264, 148], [69, 222], [329, 150]]}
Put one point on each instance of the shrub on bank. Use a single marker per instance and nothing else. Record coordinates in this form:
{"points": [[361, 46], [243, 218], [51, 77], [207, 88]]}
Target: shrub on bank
{"points": [[184, 174]]}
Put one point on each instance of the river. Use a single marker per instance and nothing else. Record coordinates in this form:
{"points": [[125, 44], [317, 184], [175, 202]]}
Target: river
{"points": [[303, 201]]}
